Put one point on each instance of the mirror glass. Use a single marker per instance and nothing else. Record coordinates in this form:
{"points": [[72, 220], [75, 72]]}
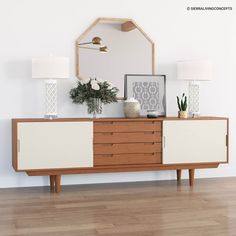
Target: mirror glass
{"points": [[111, 48]]}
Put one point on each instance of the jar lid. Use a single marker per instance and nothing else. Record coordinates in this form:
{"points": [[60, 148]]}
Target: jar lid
{"points": [[131, 100]]}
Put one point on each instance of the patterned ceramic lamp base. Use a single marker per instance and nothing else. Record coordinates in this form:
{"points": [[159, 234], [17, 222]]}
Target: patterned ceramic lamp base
{"points": [[194, 95], [51, 98]]}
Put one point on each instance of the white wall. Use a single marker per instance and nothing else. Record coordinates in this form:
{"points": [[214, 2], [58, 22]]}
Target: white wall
{"points": [[32, 28]]}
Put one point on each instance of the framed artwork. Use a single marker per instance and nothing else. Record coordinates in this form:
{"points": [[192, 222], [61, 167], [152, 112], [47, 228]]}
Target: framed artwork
{"points": [[149, 90]]}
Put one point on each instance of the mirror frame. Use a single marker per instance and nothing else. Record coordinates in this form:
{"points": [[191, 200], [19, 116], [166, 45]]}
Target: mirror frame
{"points": [[130, 23]]}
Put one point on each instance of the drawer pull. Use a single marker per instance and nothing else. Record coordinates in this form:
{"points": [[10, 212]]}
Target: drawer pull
{"points": [[18, 145], [107, 144], [105, 134], [109, 155]]}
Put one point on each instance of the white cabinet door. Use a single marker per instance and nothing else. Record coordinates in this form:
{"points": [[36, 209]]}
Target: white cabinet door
{"points": [[194, 141], [49, 145]]}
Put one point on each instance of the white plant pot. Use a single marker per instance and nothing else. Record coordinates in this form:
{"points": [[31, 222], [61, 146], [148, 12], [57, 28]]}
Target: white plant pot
{"points": [[183, 114]]}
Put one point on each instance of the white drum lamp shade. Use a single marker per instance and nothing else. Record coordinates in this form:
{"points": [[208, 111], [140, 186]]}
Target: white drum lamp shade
{"points": [[194, 71], [50, 68]]}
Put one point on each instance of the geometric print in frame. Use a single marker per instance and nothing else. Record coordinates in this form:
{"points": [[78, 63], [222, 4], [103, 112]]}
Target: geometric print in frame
{"points": [[147, 93], [149, 90]]}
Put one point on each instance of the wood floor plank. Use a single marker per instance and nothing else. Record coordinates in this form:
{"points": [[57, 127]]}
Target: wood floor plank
{"points": [[160, 208]]}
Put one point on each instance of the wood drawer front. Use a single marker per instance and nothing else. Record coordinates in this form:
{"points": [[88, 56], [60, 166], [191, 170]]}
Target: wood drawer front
{"points": [[140, 137], [127, 159], [127, 126], [127, 148]]}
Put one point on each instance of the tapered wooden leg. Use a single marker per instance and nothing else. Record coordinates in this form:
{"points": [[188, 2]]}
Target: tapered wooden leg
{"points": [[191, 176], [58, 183], [178, 172], [52, 183]]}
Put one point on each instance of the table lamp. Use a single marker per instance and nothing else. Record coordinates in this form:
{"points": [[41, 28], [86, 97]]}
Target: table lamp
{"points": [[194, 71], [50, 68]]}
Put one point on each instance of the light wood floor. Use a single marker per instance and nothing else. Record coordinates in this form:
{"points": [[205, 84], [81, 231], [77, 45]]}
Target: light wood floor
{"points": [[138, 209]]}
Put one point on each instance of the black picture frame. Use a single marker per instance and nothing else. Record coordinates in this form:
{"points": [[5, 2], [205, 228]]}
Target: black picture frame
{"points": [[131, 78]]}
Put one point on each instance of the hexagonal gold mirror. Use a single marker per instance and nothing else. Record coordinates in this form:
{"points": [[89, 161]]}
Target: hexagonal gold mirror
{"points": [[111, 48]]}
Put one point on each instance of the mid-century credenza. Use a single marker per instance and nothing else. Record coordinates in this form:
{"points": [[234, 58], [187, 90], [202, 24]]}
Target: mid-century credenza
{"points": [[76, 145]]}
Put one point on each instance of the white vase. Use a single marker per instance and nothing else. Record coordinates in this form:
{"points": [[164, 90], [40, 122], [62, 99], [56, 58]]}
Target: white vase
{"points": [[183, 114], [132, 108]]}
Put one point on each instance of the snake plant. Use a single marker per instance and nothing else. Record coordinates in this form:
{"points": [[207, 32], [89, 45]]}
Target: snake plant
{"points": [[182, 104]]}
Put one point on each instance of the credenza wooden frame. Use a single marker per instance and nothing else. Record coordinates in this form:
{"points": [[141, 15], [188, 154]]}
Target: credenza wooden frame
{"points": [[55, 174]]}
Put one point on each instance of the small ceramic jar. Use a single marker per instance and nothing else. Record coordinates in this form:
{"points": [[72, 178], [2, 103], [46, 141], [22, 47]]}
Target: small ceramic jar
{"points": [[132, 108], [183, 114]]}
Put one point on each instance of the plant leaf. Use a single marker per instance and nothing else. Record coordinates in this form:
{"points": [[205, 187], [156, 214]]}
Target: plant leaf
{"points": [[178, 103]]}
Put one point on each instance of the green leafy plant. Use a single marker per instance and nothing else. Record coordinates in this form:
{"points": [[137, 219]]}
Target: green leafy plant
{"points": [[91, 88], [182, 104]]}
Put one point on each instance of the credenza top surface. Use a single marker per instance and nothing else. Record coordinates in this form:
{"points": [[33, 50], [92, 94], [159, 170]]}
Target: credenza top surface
{"points": [[119, 119]]}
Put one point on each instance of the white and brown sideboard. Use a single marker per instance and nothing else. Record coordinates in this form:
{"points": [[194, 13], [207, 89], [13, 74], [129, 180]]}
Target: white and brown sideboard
{"points": [[76, 145]]}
